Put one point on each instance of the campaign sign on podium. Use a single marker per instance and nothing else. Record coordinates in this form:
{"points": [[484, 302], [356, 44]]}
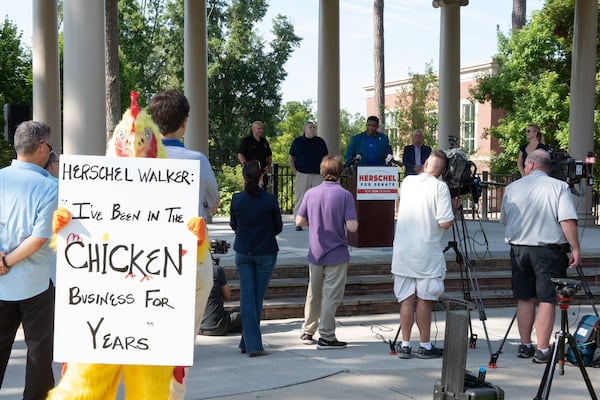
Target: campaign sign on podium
{"points": [[375, 190], [126, 262]]}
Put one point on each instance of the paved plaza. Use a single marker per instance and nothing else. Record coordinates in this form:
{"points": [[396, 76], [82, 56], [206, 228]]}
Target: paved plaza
{"points": [[365, 369]]}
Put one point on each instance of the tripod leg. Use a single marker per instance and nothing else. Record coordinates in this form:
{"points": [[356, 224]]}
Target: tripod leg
{"points": [[544, 388], [494, 357], [393, 343], [580, 364], [586, 288]]}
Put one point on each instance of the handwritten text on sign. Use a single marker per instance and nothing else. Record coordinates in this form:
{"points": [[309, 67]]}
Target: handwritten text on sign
{"points": [[126, 263]]}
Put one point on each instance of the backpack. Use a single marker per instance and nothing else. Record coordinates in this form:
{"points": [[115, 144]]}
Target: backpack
{"points": [[587, 339]]}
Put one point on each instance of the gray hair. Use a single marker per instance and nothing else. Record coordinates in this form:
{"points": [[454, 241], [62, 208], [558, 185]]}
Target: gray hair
{"points": [[540, 158], [307, 123], [29, 135]]}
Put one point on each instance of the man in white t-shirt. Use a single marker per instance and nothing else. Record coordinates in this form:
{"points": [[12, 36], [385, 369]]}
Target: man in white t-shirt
{"points": [[418, 262]]}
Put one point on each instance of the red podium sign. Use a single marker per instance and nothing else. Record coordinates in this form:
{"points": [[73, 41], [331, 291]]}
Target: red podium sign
{"points": [[375, 190]]}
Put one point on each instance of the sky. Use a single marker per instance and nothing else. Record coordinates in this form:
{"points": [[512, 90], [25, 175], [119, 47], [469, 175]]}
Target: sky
{"points": [[411, 40]]}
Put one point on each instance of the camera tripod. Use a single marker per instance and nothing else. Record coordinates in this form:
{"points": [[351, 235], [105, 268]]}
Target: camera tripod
{"points": [[588, 294], [558, 353], [468, 279]]}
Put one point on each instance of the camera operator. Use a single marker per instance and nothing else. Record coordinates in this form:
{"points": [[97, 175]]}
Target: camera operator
{"points": [[418, 262], [541, 228]]}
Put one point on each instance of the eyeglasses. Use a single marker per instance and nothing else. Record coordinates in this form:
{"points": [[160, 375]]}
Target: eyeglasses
{"points": [[48, 144]]}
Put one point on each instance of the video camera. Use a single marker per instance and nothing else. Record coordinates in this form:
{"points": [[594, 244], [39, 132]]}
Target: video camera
{"points": [[569, 170], [461, 175], [566, 287]]}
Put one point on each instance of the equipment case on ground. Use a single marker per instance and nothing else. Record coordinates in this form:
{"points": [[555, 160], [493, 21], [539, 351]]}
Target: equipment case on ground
{"points": [[457, 383]]}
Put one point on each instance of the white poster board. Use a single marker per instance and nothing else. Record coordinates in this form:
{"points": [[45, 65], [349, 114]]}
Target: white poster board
{"points": [[376, 183], [126, 262]]}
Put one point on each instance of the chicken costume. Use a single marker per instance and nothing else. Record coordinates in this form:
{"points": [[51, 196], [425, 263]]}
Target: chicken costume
{"points": [[136, 135]]}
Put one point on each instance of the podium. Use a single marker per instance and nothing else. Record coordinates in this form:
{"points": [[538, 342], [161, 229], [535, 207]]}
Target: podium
{"points": [[375, 190]]}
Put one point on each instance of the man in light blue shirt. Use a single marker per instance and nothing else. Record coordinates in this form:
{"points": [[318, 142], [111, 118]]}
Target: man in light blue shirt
{"points": [[27, 201]]}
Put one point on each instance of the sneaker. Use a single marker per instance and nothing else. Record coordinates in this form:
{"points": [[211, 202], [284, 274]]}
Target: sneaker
{"points": [[404, 352], [306, 338], [541, 358], [323, 344], [433, 353], [298, 228], [525, 351]]}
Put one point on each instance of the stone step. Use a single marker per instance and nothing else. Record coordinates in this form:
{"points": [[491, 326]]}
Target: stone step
{"points": [[374, 284], [293, 307]]}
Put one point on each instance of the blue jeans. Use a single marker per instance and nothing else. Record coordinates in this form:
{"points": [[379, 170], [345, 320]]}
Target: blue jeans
{"points": [[255, 274]]}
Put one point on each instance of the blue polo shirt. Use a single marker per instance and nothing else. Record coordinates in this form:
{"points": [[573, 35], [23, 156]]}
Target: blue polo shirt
{"points": [[27, 201], [308, 154]]}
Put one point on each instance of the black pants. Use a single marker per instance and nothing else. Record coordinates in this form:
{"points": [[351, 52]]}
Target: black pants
{"points": [[37, 316], [231, 323]]}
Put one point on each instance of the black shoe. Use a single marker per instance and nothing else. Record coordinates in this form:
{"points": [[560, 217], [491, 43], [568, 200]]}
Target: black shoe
{"points": [[298, 228], [542, 358], [306, 338], [259, 353], [404, 352], [323, 344], [434, 352], [525, 351]]}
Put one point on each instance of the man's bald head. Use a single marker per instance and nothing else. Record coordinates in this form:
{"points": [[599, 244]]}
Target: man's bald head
{"points": [[538, 159], [436, 163]]}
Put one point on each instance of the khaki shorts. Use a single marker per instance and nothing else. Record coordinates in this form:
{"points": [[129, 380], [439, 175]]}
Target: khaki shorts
{"points": [[425, 288]]}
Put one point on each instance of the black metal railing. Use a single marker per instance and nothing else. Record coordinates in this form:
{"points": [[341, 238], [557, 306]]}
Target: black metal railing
{"points": [[487, 207]]}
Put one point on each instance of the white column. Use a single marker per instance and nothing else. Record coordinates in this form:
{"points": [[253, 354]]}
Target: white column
{"points": [[195, 73], [449, 75], [328, 97], [46, 77], [84, 78], [583, 90]]}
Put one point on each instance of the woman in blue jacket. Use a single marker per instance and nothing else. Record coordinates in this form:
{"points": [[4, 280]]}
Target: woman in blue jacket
{"points": [[255, 218]]}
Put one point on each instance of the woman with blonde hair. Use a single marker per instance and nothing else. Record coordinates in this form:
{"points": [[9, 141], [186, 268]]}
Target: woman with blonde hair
{"points": [[535, 141]]}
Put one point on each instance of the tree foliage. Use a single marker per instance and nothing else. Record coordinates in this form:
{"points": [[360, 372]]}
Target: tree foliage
{"points": [[416, 106], [532, 83], [15, 77]]}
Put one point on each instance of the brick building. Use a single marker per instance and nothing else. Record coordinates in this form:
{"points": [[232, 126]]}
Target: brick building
{"points": [[475, 118]]}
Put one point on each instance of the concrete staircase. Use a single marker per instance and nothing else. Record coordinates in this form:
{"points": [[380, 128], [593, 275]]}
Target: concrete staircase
{"points": [[369, 288]]}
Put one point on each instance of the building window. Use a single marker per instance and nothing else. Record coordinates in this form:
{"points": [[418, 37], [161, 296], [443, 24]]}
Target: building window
{"points": [[468, 128]]}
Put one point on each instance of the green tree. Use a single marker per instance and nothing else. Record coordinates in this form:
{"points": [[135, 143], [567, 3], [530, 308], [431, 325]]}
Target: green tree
{"points": [[15, 77], [142, 45], [416, 106], [244, 71], [532, 83]]}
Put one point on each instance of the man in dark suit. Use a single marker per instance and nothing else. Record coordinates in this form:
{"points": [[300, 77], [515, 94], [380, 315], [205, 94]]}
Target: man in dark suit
{"points": [[372, 146], [414, 155]]}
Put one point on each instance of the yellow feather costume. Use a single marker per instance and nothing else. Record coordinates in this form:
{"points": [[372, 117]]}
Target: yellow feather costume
{"points": [[136, 135]]}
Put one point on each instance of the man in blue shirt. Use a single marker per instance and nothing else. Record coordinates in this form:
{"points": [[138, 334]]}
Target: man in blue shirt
{"points": [[372, 146], [306, 154], [28, 199]]}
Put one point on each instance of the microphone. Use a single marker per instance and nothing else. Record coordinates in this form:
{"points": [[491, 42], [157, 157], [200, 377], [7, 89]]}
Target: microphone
{"points": [[352, 162], [389, 160]]}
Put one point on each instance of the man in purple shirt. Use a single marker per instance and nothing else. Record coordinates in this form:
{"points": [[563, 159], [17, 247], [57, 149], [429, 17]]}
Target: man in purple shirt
{"points": [[328, 209]]}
